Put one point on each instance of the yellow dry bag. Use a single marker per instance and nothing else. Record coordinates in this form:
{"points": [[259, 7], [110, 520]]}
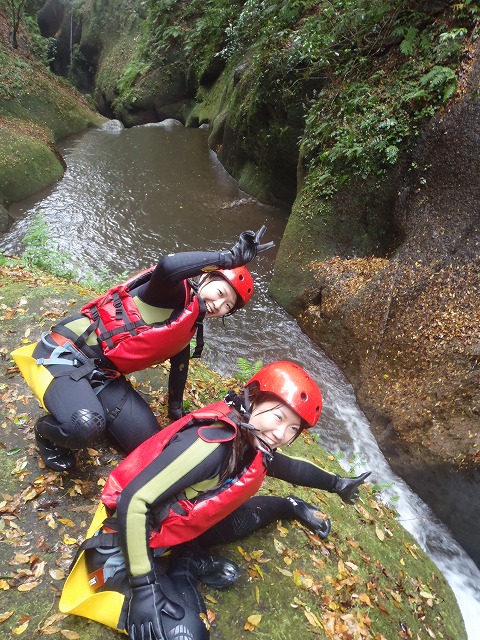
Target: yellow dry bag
{"points": [[36, 375], [80, 598]]}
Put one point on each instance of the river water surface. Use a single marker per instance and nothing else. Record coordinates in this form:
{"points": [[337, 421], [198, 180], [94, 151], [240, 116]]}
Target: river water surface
{"points": [[130, 196]]}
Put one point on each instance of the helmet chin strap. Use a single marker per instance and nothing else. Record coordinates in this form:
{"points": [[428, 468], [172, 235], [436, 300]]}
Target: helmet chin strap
{"points": [[244, 409], [261, 445], [241, 405]]}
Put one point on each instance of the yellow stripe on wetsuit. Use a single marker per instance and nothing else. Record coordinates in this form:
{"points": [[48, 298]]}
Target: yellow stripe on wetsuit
{"points": [[138, 555]]}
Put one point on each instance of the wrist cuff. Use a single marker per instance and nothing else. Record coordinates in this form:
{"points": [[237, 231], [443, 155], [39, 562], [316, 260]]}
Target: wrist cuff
{"points": [[141, 581]]}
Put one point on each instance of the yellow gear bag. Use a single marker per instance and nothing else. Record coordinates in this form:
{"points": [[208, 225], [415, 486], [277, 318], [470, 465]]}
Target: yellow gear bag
{"points": [[79, 598], [36, 375]]}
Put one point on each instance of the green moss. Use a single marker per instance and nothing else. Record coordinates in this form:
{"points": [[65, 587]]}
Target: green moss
{"points": [[304, 240], [50, 106], [114, 63], [36, 108], [214, 101], [26, 165]]}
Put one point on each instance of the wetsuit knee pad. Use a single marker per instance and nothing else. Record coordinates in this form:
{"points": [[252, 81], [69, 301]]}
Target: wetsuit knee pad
{"points": [[83, 428], [239, 524], [244, 521], [87, 426]]}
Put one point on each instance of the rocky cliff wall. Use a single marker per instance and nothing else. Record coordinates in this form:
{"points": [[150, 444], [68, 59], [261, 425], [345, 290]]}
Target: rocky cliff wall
{"points": [[406, 327]]}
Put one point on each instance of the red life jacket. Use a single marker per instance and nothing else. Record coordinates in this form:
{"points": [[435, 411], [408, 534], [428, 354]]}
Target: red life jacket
{"points": [[125, 338], [187, 520]]}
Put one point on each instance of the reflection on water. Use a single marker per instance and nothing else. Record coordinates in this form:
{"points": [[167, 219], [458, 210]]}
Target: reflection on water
{"points": [[125, 199], [130, 196]]}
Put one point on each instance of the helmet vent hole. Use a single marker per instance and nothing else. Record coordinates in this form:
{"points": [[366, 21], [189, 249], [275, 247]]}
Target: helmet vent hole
{"points": [[240, 277], [303, 396]]}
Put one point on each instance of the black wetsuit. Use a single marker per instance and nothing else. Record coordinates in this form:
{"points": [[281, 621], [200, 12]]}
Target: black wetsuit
{"points": [[185, 467], [82, 409]]}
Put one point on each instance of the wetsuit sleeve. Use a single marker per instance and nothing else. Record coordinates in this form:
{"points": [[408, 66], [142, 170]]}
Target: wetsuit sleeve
{"points": [[186, 461], [165, 288], [178, 375], [300, 471]]}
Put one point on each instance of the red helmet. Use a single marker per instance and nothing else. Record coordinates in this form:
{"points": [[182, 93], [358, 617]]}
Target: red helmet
{"points": [[241, 280], [293, 386]]}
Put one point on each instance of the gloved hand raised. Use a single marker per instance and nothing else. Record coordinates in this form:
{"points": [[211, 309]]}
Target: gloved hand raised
{"points": [[347, 488], [147, 605], [246, 248]]}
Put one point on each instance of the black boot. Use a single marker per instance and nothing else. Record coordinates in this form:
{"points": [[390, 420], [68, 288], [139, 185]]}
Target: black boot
{"points": [[215, 571], [310, 516], [54, 457]]}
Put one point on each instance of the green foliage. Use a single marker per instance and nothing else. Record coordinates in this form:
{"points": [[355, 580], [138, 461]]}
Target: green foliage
{"points": [[136, 67], [15, 10], [366, 74], [15, 75], [246, 370], [440, 79], [41, 252], [42, 48], [245, 29], [468, 9], [195, 32], [78, 63], [359, 125]]}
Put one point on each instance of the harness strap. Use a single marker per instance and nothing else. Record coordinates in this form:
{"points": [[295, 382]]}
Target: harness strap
{"points": [[128, 326], [119, 308], [200, 343], [98, 324], [121, 316], [108, 540], [83, 372], [84, 365], [111, 415], [62, 334], [67, 348]]}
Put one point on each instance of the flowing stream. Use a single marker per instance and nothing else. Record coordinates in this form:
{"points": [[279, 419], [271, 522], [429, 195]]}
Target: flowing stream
{"points": [[130, 196]]}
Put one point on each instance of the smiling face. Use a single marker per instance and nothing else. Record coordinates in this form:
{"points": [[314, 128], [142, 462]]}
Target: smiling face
{"points": [[219, 297], [274, 422]]}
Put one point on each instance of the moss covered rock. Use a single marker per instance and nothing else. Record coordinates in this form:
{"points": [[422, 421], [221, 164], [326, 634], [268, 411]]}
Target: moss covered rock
{"points": [[37, 109], [27, 165]]}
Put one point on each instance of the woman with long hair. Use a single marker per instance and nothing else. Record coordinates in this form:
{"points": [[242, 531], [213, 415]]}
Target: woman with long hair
{"points": [[187, 488]]}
